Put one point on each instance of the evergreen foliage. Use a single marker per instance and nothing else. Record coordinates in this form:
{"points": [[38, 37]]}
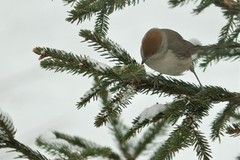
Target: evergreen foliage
{"points": [[117, 84], [7, 140], [67, 147]]}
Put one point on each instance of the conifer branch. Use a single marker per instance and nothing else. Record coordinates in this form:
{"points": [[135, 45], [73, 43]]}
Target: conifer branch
{"points": [[132, 74], [85, 9], [227, 5], [90, 94], [169, 86], [115, 105], [195, 110], [203, 5], [177, 109], [231, 9], [175, 3], [7, 130], [198, 106], [230, 6], [137, 126], [201, 145], [183, 136], [220, 123], [106, 47], [101, 24], [154, 131], [233, 129], [73, 148], [118, 130], [179, 138], [150, 116], [116, 126], [230, 32], [59, 61], [158, 84], [95, 92], [7, 140], [59, 149], [226, 51], [25, 151], [227, 29], [104, 152], [74, 140], [129, 75]]}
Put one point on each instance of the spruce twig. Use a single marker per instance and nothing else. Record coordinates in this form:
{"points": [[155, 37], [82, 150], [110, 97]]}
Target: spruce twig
{"points": [[220, 123], [233, 129], [7, 140]]}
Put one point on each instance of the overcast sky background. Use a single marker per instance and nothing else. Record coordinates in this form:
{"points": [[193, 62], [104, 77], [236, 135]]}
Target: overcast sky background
{"points": [[39, 100]]}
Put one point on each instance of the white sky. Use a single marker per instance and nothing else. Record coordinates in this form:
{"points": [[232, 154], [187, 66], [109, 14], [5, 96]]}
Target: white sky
{"points": [[40, 100]]}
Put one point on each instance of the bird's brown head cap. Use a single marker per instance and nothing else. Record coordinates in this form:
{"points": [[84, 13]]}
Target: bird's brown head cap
{"points": [[151, 42]]}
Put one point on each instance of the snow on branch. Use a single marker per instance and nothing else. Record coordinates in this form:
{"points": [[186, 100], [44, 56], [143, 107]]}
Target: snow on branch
{"points": [[58, 147], [149, 115], [51, 139], [151, 112]]}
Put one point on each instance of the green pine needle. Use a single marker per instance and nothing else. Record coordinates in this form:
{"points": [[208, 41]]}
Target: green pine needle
{"points": [[233, 129], [103, 152], [107, 47], [101, 24], [179, 139], [201, 146], [156, 130], [115, 105], [220, 123], [74, 140], [7, 129]]}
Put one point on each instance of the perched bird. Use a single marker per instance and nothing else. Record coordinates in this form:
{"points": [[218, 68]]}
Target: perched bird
{"points": [[165, 51]]}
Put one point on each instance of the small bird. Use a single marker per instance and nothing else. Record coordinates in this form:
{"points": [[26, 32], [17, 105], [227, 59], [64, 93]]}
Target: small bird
{"points": [[165, 51]]}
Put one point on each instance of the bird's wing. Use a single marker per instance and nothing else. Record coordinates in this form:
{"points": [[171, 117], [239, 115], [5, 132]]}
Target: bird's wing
{"points": [[180, 46]]}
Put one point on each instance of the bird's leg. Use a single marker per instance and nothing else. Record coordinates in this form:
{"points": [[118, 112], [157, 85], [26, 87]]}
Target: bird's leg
{"points": [[193, 71]]}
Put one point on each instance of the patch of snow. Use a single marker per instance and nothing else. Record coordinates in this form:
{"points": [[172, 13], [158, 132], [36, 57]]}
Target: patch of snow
{"points": [[195, 42], [89, 93], [151, 112], [50, 137]]}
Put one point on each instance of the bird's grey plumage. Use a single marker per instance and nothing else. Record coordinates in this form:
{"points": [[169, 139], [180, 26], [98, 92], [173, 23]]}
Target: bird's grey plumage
{"points": [[178, 45]]}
